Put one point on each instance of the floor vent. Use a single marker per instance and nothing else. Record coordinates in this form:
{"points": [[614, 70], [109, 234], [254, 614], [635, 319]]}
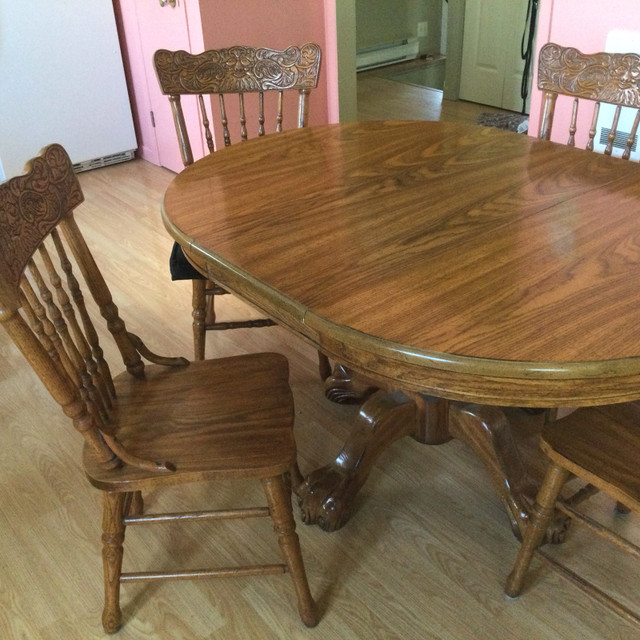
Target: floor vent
{"points": [[104, 161]]}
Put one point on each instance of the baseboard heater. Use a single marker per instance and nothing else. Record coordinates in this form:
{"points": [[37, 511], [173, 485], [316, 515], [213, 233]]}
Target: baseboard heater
{"points": [[104, 161], [387, 53]]}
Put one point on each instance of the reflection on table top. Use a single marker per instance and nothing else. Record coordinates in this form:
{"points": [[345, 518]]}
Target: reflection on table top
{"points": [[460, 260]]}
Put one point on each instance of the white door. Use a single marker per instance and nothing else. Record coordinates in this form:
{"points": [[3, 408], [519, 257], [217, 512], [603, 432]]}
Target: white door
{"points": [[492, 64]]}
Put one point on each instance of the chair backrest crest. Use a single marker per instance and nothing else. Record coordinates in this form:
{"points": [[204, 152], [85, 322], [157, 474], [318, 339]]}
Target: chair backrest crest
{"points": [[31, 205], [606, 77], [238, 69]]}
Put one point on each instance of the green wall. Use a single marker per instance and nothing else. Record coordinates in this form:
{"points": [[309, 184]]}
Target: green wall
{"points": [[380, 21]]}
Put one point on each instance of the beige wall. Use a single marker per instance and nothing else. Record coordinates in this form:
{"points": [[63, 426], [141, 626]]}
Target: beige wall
{"points": [[379, 21]]}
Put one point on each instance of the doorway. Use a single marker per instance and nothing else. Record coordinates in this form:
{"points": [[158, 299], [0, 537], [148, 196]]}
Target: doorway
{"points": [[451, 40], [402, 40]]}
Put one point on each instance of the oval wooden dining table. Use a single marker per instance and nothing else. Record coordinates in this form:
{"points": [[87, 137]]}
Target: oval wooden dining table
{"points": [[459, 270]]}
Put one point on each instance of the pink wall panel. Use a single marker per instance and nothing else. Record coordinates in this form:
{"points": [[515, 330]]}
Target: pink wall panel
{"points": [[133, 59], [274, 24], [143, 28], [196, 25]]}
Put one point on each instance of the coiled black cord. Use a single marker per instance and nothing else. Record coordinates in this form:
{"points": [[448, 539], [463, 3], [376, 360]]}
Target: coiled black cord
{"points": [[527, 49]]}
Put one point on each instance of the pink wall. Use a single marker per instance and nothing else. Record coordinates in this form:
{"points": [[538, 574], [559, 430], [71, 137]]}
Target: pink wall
{"points": [[277, 24], [196, 25], [136, 74], [583, 24]]}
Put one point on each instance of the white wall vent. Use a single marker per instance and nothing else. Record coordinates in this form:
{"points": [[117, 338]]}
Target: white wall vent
{"points": [[603, 128], [620, 139], [104, 161], [387, 53], [618, 41]]}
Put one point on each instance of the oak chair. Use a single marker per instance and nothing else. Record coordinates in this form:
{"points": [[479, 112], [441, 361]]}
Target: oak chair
{"points": [[601, 446], [594, 79], [152, 425], [254, 75]]}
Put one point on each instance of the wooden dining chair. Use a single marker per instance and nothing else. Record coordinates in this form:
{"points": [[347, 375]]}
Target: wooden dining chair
{"points": [[153, 425], [593, 79], [601, 446], [264, 82]]}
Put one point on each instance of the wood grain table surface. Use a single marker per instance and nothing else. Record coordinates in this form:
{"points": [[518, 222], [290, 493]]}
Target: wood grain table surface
{"points": [[447, 256]]}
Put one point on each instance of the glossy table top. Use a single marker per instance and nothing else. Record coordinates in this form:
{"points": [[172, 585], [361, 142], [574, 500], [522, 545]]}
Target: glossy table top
{"points": [[463, 261]]}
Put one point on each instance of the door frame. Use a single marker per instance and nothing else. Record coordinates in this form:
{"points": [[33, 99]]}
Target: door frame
{"points": [[455, 35]]}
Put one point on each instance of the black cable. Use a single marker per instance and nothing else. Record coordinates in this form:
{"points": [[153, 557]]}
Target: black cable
{"points": [[528, 36]]}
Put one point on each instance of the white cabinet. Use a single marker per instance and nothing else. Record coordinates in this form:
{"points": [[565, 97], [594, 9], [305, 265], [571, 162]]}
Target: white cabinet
{"points": [[62, 81]]}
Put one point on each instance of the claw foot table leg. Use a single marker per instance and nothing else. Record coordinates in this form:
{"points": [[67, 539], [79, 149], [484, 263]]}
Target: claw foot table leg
{"points": [[488, 431], [326, 496]]}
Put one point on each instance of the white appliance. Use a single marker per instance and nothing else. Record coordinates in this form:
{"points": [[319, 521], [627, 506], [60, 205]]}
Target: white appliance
{"points": [[387, 53], [618, 41], [62, 80]]}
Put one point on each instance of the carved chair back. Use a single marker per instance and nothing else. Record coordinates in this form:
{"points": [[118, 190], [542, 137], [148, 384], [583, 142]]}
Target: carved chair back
{"points": [[612, 78], [237, 70], [42, 304]]}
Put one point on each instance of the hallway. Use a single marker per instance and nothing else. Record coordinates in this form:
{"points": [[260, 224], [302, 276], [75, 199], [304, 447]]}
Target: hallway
{"points": [[381, 98]]}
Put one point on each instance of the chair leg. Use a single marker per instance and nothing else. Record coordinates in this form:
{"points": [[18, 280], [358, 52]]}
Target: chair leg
{"points": [[622, 508], [541, 516], [324, 366], [199, 303], [279, 500], [112, 550], [136, 504]]}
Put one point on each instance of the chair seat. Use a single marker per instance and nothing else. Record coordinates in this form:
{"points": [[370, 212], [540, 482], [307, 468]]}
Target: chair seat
{"points": [[228, 417], [603, 441], [180, 268]]}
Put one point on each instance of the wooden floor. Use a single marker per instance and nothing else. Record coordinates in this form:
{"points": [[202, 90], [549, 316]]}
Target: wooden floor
{"points": [[380, 98], [424, 557]]}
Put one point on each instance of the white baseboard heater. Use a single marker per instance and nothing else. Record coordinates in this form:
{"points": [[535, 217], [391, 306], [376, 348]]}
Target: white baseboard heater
{"points": [[625, 124], [104, 161], [387, 53]]}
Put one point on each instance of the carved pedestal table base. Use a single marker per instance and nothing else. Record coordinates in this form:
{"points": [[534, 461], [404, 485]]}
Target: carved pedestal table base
{"points": [[505, 440], [326, 496]]}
